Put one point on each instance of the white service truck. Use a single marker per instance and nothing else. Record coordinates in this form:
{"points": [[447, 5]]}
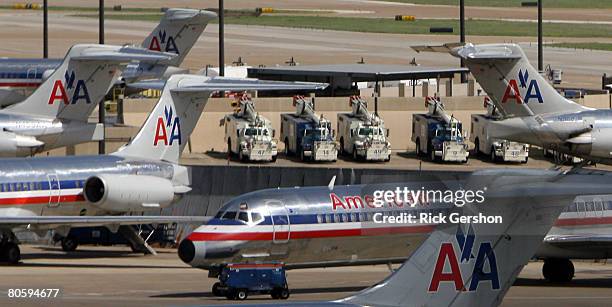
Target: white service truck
{"points": [[483, 136], [362, 134], [438, 135], [306, 134], [249, 135]]}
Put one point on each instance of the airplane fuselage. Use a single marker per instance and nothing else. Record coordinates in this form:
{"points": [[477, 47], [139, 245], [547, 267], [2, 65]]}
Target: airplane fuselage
{"points": [[585, 134], [316, 227], [53, 186], [20, 77]]}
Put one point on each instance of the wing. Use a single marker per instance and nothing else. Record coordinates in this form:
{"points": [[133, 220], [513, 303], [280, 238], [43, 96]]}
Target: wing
{"points": [[83, 221], [230, 84]]}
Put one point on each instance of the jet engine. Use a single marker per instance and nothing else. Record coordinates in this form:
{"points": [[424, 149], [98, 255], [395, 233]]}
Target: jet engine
{"points": [[12, 144], [47, 73], [128, 192]]}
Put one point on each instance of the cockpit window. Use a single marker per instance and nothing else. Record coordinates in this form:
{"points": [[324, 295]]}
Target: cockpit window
{"points": [[243, 216], [229, 215], [219, 214], [256, 217]]}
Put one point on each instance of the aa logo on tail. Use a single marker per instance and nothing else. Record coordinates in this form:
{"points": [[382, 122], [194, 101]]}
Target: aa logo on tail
{"points": [[60, 90], [168, 128], [447, 264], [163, 42], [512, 89]]}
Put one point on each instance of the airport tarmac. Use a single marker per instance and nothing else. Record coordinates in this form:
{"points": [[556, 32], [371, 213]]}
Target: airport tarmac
{"points": [[260, 45], [103, 276]]}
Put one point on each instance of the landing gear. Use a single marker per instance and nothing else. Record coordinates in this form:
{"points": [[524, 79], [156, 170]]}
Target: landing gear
{"points": [[9, 248], [558, 270]]}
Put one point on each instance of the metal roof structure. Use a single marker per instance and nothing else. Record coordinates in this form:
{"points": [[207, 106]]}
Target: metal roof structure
{"points": [[342, 77], [357, 72]]}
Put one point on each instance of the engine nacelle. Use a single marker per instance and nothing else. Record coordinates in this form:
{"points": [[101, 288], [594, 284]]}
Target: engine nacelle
{"points": [[12, 144], [128, 192], [47, 73]]}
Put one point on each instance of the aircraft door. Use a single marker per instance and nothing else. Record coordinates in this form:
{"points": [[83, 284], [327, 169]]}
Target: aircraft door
{"points": [[31, 74], [54, 190], [599, 207], [281, 226]]}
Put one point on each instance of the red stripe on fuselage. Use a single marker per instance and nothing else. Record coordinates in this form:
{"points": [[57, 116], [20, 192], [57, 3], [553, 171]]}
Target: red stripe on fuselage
{"points": [[584, 221], [40, 200], [19, 84], [267, 236]]}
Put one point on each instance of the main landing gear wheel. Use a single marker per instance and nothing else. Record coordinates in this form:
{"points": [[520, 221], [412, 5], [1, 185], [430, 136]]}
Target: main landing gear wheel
{"points": [[11, 253], [558, 270]]}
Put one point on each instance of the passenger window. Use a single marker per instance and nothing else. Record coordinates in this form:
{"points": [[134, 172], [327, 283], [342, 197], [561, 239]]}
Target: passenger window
{"points": [[229, 215], [243, 216], [256, 217]]}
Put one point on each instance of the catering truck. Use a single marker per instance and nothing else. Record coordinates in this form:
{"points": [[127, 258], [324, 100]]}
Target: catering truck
{"points": [[362, 134], [306, 134], [483, 136], [438, 135], [249, 135]]}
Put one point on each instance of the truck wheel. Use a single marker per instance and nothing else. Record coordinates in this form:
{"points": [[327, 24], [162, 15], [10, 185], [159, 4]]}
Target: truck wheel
{"points": [[287, 151], [274, 158], [525, 161], [432, 153], [241, 157], [302, 157], [229, 147], [241, 294], [284, 293], [215, 289], [275, 294], [418, 148], [231, 294], [477, 147], [342, 152], [388, 158], [493, 157], [355, 156]]}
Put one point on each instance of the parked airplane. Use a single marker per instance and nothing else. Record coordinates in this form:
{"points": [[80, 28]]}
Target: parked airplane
{"points": [[44, 193], [455, 264], [536, 113], [338, 226], [177, 32], [57, 113]]}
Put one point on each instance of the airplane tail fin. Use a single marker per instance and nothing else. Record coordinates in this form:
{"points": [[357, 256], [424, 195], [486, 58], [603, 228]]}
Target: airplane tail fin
{"points": [[178, 31], [86, 74], [167, 129], [514, 85], [475, 264]]}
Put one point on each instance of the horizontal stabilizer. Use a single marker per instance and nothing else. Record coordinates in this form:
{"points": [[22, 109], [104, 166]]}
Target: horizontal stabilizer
{"points": [[229, 84], [445, 48], [486, 52], [238, 84], [124, 54]]}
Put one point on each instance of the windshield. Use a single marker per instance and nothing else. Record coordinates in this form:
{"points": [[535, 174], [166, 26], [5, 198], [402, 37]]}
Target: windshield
{"points": [[448, 133], [317, 134], [365, 131], [255, 131]]}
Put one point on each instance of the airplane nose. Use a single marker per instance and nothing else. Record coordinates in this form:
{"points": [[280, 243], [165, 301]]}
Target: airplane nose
{"points": [[187, 251]]}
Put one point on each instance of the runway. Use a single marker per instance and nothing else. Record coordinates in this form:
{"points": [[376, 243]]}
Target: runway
{"points": [[104, 276]]}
